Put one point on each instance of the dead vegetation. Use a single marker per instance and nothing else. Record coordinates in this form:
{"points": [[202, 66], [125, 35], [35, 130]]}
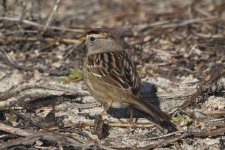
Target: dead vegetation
{"points": [[179, 50]]}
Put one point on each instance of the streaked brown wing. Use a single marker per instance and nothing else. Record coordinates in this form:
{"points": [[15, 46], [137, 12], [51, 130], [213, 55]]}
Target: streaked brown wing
{"points": [[115, 69]]}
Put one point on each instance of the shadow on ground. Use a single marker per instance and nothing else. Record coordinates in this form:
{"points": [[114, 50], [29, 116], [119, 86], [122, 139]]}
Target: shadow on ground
{"points": [[148, 93]]}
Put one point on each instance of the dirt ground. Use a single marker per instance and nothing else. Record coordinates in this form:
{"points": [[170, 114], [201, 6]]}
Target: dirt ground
{"points": [[178, 48]]}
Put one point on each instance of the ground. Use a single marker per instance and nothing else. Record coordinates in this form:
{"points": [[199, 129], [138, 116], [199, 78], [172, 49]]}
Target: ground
{"points": [[177, 46]]}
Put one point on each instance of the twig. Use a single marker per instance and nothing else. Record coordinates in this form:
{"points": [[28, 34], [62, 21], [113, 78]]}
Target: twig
{"points": [[50, 40], [164, 142], [6, 58], [166, 135], [125, 125], [206, 88], [15, 131], [132, 126], [5, 75], [8, 61], [214, 113], [167, 24], [24, 6], [11, 63], [55, 8], [28, 22], [4, 5], [209, 36]]}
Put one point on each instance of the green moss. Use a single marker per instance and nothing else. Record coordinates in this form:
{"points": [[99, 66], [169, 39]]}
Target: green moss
{"points": [[74, 75], [182, 118]]}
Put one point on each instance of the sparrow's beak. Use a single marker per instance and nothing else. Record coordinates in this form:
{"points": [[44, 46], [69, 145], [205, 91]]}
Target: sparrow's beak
{"points": [[82, 39]]}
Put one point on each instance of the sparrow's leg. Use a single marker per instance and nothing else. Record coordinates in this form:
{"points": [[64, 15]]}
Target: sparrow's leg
{"points": [[131, 111], [107, 107]]}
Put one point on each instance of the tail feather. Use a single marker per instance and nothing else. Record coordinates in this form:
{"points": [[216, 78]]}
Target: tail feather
{"points": [[159, 117]]}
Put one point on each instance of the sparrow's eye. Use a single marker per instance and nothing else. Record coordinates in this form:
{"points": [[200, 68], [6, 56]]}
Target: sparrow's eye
{"points": [[92, 38]]}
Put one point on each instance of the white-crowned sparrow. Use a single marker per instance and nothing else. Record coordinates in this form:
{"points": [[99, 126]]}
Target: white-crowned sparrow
{"points": [[112, 78]]}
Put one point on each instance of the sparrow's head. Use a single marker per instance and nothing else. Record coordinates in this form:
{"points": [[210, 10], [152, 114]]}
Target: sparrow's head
{"points": [[99, 41]]}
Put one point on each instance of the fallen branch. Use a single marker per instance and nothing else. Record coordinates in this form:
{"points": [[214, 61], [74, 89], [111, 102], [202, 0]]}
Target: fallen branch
{"points": [[15, 131], [42, 135], [29, 140], [213, 132], [19, 88], [172, 139]]}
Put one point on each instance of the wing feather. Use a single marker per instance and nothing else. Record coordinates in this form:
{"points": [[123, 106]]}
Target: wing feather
{"points": [[115, 69]]}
